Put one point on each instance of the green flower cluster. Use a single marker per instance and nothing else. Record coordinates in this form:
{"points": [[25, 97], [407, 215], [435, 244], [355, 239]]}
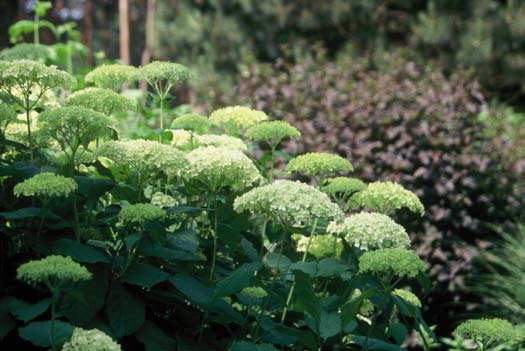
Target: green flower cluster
{"points": [[391, 262], [140, 213], [318, 164], [163, 200], [46, 185], [73, 126], [342, 187], [26, 51], [22, 74], [321, 246], [101, 100], [233, 119], [90, 340], [193, 122], [293, 203], [488, 331], [381, 196], [144, 156], [157, 71], [272, 132], [184, 140], [408, 297], [219, 167], [111, 76], [52, 271], [254, 292], [370, 231]]}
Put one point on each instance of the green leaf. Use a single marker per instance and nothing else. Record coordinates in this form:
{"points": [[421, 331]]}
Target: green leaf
{"points": [[249, 250], [306, 299], [193, 289], [93, 188], [28, 212], [25, 312], [424, 281], [398, 331], [350, 309], [125, 311], [38, 333], [79, 252], [250, 346], [375, 344], [154, 339], [309, 268], [81, 304], [144, 275], [238, 279], [6, 322], [329, 267], [284, 264], [330, 324]]}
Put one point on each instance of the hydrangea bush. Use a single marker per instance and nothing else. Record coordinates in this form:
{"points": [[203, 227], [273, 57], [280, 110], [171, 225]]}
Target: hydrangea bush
{"points": [[196, 242]]}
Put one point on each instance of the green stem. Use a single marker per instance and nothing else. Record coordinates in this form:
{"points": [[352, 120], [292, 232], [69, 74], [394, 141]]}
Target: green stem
{"points": [[69, 58], [215, 236], [263, 236], [29, 139], [386, 292], [290, 294], [75, 213], [272, 166], [161, 118], [36, 29], [53, 317]]}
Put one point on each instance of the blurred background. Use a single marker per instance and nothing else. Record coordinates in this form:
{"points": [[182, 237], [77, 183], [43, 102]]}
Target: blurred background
{"points": [[426, 93]]}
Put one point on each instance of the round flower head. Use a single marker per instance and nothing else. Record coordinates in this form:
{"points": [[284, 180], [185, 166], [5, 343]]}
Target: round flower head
{"points": [[272, 132], [163, 200], [381, 196], [73, 126], [46, 185], [318, 164], [101, 100], [140, 213], [90, 340], [18, 80], [408, 297], [391, 262], [26, 51], [488, 331], [158, 71], [111, 76], [321, 245], [293, 203], [233, 119], [144, 156], [216, 168], [369, 231], [52, 271], [185, 140], [342, 187], [254, 292], [192, 122]]}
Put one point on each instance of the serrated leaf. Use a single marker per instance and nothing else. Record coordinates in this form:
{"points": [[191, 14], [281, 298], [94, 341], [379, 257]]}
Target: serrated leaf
{"points": [[193, 289], [79, 252], [309, 268], [38, 333], [329, 267], [398, 331], [144, 275], [330, 324], [126, 312], [25, 312], [249, 250], [154, 339]]}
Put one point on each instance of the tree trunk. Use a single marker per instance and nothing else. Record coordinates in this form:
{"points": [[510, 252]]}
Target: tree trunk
{"points": [[87, 32], [123, 9]]}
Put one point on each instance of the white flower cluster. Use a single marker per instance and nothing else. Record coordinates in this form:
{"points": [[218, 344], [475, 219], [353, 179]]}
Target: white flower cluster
{"points": [[218, 167], [293, 203], [90, 340], [381, 196], [370, 231], [184, 140], [163, 200], [144, 156], [236, 118]]}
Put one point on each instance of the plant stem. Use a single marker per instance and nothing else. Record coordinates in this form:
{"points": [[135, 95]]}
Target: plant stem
{"points": [[263, 235], [36, 29], [29, 139], [290, 294], [215, 236], [161, 125]]}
